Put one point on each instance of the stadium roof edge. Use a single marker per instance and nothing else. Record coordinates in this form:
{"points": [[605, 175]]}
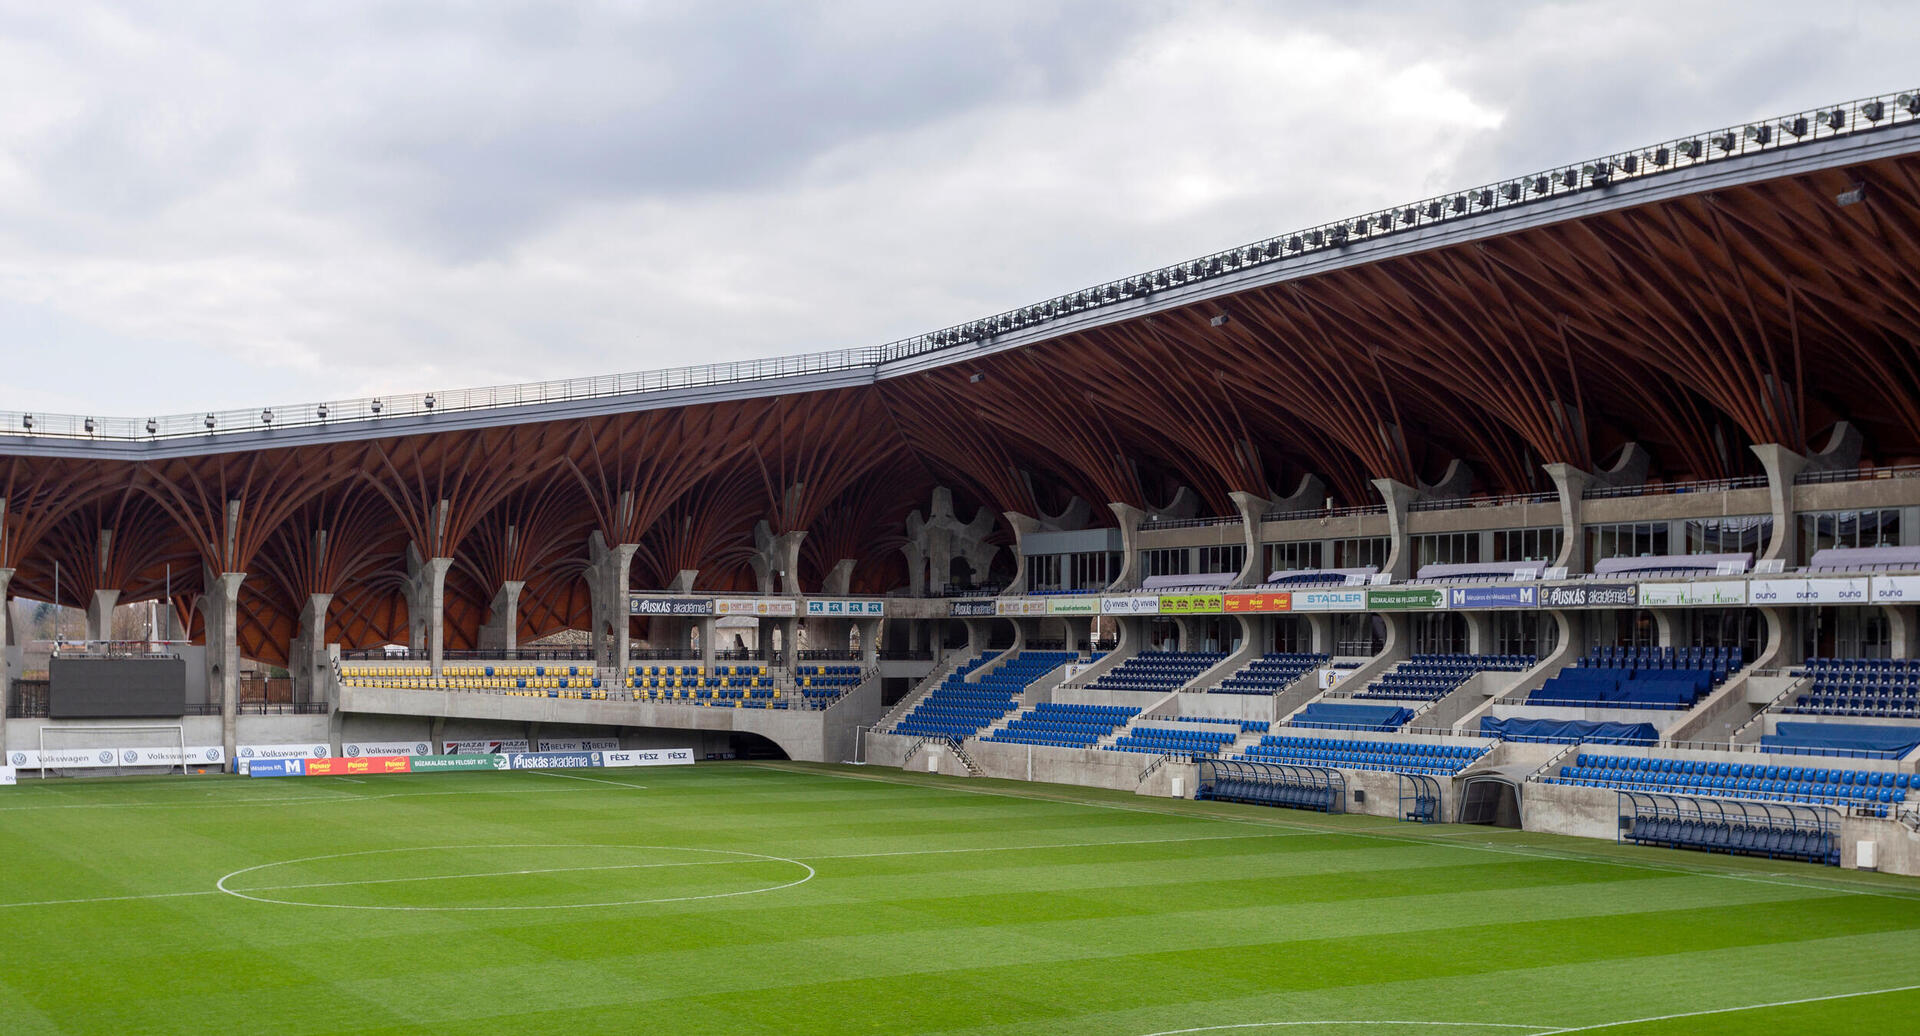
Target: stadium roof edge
{"points": [[1576, 191]]}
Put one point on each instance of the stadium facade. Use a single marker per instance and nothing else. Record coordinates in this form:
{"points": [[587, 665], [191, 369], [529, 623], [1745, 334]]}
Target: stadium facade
{"points": [[1654, 417]]}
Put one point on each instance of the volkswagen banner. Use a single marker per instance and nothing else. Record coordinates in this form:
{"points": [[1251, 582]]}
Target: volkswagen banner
{"points": [[358, 749]]}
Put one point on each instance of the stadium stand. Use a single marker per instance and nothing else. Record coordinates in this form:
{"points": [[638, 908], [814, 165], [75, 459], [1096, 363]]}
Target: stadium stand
{"points": [[1803, 785], [1270, 673], [1639, 678], [823, 684], [1327, 714], [1064, 726], [1175, 742], [1157, 670], [958, 709], [1395, 756], [1864, 687], [1432, 677], [1850, 739]]}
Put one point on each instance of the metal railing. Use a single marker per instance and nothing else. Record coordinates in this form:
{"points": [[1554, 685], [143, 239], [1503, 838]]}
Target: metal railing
{"points": [[1458, 502], [1809, 126], [1707, 485], [1151, 523], [1857, 474], [1360, 511]]}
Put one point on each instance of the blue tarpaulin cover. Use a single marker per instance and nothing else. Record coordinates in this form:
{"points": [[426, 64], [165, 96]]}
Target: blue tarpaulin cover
{"points": [[1853, 737], [1568, 730]]}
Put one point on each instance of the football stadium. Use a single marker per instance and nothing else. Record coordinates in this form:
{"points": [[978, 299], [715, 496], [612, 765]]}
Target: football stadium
{"points": [[1497, 612]]}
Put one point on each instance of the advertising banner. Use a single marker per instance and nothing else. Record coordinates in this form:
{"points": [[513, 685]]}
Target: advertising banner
{"points": [[273, 767], [555, 760], [342, 766], [1192, 604], [1673, 595], [8, 776], [100, 758], [1329, 600], [1405, 599], [356, 749], [1260, 601], [1020, 606], [773, 607], [648, 757], [246, 753], [578, 744], [442, 763], [508, 744], [1129, 605], [859, 609], [1493, 597], [1896, 589], [1591, 595], [970, 609], [669, 606], [1807, 591], [1073, 606]]}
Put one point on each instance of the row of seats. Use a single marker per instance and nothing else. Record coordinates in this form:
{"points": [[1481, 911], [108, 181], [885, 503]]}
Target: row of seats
{"points": [[1325, 798], [1271, 672], [1809, 785], [1734, 836], [1158, 670], [1431, 677], [1717, 660], [1260, 725], [1866, 687], [1060, 725], [1161, 740], [420, 670], [957, 709], [1350, 754]]}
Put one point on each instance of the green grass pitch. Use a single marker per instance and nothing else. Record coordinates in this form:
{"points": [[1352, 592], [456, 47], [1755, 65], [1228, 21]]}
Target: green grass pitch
{"points": [[782, 898]]}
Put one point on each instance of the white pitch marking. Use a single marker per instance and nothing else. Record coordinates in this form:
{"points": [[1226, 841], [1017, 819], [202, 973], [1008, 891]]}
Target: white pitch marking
{"points": [[1342, 1021], [498, 874], [109, 899], [221, 885], [1732, 1010], [349, 780], [577, 777]]}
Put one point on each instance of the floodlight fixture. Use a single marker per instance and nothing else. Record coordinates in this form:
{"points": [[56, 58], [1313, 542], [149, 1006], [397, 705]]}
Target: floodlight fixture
{"points": [[1911, 102], [266, 416], [1459, 203], [1726, 141], [976, 377], [1836, 119], [1874, 110], [1541, 185], [1409, 215], [209, 422], [1761, 135], [89, 426], [1853, 195], [1689, 149], [26, 421], [1484, 199], [1796, 126], [1570, 178], [1219, 320], [1318, 238], [1660, 156], [1384, 221], [429, 401], [321, 411], [153, 426], [1339, 234], [1433, 210], [374, 406], [1630, 164], [1511, 191], [1597, 172]]}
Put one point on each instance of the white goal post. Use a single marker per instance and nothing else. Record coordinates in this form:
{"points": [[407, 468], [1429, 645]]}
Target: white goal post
{"points": [[100, 751]]}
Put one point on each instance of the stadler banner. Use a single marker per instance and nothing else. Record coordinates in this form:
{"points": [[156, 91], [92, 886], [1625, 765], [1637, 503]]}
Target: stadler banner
{"points": [[1073, 606], [1807, 591], [669, 606], [1896, 589], [1591, 595], [856, 609], [1329, 600], [1405, 599], [1191, 604], [1260, 601], [970, 609], [1129, 605], [1493, 597]]}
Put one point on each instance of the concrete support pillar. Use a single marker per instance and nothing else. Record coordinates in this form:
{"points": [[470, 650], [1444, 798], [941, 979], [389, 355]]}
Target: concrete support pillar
{"points": [[1781, 465], [100, 614], [427, 607], [682, 582], [1571, 483], [1399, 545], [709, 635], [1129, 575], [609, 569], [221, 604], [6, 638], [1666, 624], [916, 555], [1903, 627], [839, 579], [1784, 644], [502, 631], [308, 666], [1253, 571], [979, 635], [1320, 632], [1479, 632], [1021, 525], [869, 642]]}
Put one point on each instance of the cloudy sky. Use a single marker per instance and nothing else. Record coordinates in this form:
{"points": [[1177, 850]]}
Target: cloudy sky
{"points": [[212, 205]]}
